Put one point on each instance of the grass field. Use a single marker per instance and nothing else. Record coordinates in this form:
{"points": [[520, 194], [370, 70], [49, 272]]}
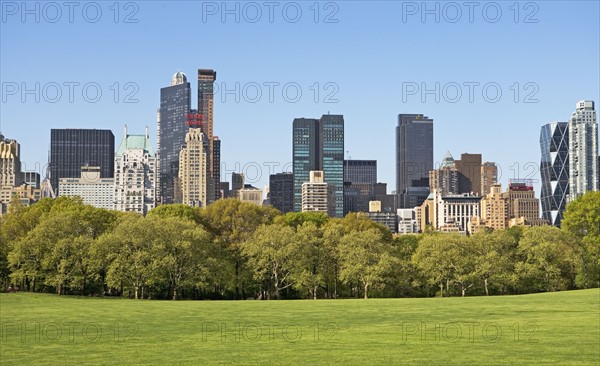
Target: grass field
{"points": [[552, 328]]}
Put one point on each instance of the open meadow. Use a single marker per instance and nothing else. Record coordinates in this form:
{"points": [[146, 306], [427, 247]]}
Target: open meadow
{"points": [[548, 328]]}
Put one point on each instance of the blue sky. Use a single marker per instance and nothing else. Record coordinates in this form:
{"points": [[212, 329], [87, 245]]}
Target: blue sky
{"points": [[369, 59]]}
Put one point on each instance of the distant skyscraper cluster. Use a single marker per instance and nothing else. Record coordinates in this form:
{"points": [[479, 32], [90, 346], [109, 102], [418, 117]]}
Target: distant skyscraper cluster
{"points": [[460, 195], [569, 160]]}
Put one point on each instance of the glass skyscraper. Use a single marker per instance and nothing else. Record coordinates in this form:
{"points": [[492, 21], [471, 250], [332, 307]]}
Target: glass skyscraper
{"points": [[554, 169], [583, 150], [206, 83], [360, 178], [175, 105], [319, 145], [70, 149], [414, 158], [281, 191]]}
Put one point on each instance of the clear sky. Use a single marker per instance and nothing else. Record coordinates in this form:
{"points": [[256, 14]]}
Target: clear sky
{"points": [[369, 61]]}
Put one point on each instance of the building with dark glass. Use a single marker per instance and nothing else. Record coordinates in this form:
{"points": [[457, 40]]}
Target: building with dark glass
{"points": [[70, 149], [414, 158], [216, 170], [318, 145], [281, 191], [206, 107], [175, 105], [360, 178], [554, 170]]}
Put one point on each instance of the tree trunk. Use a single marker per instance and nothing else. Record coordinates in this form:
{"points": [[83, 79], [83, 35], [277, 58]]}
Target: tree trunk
{"points": [[237, 275], [136, 293], [441, 289], [83, 287], [463, 290], [315, 293], [175, 293], [485, 282], [366, 291]]}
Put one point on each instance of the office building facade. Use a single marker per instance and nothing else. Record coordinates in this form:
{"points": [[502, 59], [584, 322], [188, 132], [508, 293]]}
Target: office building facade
{"points": [[319, 145], [93, 189], [70, 149], [554, 171], [281, 191], [175, 106], [414, 158]]}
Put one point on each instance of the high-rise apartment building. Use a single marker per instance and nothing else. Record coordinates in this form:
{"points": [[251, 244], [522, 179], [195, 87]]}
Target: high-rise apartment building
{"points": [[445, 179], [317, 195], [10, 163], [319, 145], [70, 149], [194, 174], [554, 170], [10, 170], [206, 106], [281, 191], [135, 174], [583, 150], [175, 106], [494, 209], [414, 158], [489, 177]]}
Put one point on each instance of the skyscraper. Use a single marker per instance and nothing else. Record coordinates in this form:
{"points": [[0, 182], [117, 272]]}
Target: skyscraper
{"points": [[135, 174], [414, 158], [583, 150], [554, 170], [489, 177], [360, 178], [193, 169], [281, 191], [206, 82], [10, 170], [469, 178], [216, 170], [175, 105], [10, 163], [70, 149], [319, 145]]}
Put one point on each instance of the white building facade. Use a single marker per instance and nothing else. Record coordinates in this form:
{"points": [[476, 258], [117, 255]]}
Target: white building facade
{"points": [[135, 175], [93, 190], [583, 150]]}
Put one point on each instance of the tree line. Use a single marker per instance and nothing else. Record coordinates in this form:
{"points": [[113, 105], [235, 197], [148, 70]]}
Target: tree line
{"points": [[236, 250]]}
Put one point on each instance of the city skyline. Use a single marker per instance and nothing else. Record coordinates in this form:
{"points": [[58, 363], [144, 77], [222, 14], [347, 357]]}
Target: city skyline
{"points": [[445, 56]]}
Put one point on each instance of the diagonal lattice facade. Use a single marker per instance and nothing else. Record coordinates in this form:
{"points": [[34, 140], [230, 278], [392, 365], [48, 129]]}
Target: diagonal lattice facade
{"points": [[554, 169]]}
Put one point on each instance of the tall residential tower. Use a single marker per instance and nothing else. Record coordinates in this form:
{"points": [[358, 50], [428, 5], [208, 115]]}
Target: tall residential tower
{"points": [[175, 105], [583, 150]]}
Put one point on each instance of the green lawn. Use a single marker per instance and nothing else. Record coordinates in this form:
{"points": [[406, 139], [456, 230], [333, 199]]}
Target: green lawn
{"points": [[554, 328]]}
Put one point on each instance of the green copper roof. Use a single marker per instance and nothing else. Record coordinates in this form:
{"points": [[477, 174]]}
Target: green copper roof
{"points": [[448, 160], [135, 142]]}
